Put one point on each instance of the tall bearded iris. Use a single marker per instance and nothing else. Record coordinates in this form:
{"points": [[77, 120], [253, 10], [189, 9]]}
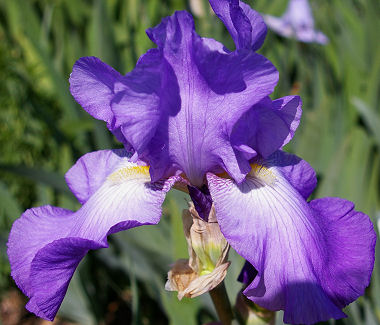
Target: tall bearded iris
{"points": [[297, 22], [196, 115]]}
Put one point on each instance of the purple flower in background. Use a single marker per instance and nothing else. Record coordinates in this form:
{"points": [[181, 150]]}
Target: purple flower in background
{"points": [[195, 115], [297, 22]]}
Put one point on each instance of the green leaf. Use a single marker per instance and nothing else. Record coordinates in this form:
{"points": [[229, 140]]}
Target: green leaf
{"points": [[9, 207], [175, 203], [52, 179], [370, 117]]}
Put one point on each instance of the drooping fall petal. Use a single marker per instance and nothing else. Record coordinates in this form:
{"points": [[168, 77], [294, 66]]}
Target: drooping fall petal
{"points": [[315, 257], [47, 243]]}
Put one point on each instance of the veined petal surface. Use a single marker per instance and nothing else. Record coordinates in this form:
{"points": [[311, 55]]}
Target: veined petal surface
{"points": [[90, 171], [312, 259], [178, 107], [47, 243], [300, 175], [297, 171], [196, 138]]}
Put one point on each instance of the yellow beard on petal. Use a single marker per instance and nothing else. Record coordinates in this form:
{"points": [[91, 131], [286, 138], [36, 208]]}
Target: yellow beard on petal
{"points": [[129, 173], [262, 173]]}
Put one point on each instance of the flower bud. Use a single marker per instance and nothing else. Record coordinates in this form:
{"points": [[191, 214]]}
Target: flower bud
{"points": [[207, 264], [252, 314], [197, 7]]}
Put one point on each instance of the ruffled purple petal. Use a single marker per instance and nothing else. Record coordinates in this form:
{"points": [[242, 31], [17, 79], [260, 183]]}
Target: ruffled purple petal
{"points": [[246, 74], [178, 107], [99, 89], [136, 105], [351, 245], [320, 38], [92, 84], [267, 126], [195, 138], [30, 233], [51, 272], [47, 243], [300, 250], [246, 26]]}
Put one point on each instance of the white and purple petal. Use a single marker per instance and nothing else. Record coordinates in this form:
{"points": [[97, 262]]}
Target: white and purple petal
{"points": [[47, 243], [297, 171], [81, 178], [312, 259]]}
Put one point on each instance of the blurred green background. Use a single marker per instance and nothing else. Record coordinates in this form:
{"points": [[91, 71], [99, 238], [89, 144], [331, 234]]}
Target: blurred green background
{"points": [[43, 131]]}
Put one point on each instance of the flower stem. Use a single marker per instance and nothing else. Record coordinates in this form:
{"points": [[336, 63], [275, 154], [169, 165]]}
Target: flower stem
{"points": [[222, 304]]}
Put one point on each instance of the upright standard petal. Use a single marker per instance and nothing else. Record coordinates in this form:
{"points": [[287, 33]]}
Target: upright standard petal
{"points": [[178, 107], [96, 86], [92, 84], [137, 104], [246, 26], [47, 243], [195, 138], [312, 259], [267, 126]]}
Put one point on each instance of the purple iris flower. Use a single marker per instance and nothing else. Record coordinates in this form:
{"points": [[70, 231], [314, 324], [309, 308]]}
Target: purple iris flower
{"points": [[195, 115], [297, 22]]}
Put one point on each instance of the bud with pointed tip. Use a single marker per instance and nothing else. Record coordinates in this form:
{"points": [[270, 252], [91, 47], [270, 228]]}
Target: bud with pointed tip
{"points": [[207, 264]]}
